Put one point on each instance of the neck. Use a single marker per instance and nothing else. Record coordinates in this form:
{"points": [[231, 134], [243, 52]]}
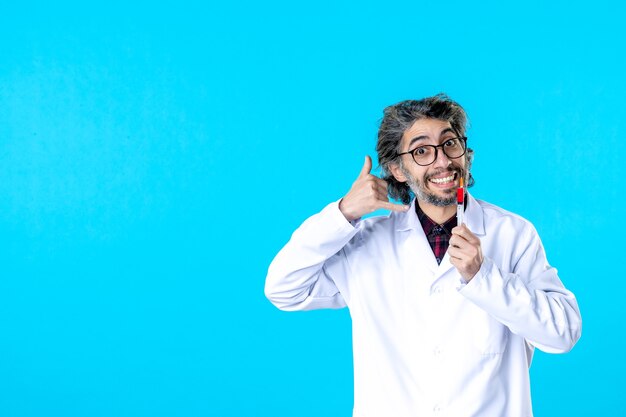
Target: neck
{"points": [[437, 213]]}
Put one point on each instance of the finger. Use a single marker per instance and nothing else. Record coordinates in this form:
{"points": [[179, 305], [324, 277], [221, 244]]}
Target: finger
{"points": [[381, 189], [459, 253], [381, 182], [456, 241], [393, 206], [379, 193], [461, 247], [460, 242], [381, 197], [455, 260], [367, 167], [465, 233]]}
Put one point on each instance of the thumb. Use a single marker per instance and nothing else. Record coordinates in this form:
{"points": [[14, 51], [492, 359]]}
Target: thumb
{"points": [[367, 167]]}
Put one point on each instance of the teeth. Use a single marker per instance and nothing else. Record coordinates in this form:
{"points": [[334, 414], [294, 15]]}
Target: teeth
{"points": [[442, 180]]}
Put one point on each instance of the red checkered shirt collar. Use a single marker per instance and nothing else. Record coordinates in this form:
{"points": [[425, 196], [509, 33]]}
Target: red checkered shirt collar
{"points": [[438, 235]]}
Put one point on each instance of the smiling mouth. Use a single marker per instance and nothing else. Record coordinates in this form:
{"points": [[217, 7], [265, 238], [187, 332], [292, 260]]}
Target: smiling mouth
{"points": [[444, 180]]}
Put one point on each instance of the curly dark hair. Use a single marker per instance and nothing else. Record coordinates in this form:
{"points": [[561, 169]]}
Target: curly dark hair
{"points": [[398, 118]]}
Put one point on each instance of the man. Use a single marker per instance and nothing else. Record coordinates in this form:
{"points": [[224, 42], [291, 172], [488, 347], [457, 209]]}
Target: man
{"points": [[445, 317]]}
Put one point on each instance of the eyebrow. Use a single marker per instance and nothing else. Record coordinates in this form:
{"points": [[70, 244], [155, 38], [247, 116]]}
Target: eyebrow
{"points": [[415, 139]]}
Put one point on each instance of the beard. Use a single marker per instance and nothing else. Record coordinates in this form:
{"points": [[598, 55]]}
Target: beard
{"points": [[422, 193]]}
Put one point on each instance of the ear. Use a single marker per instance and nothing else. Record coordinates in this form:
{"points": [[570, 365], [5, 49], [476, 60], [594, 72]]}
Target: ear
{"points": [[397, 172]]}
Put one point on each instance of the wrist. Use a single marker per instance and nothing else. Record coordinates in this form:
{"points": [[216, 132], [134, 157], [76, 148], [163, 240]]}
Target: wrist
{"points": [[346, 213]]}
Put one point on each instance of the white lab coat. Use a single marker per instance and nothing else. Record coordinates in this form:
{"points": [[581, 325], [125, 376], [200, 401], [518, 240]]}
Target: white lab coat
{"points": [[425, 343]]}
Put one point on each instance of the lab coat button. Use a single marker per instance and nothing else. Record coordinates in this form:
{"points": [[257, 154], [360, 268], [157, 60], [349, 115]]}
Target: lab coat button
{"points": [[436, 290], [437, 351], [436, 409]]}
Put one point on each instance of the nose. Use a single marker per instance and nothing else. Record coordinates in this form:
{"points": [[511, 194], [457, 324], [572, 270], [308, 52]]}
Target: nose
{"points": [[442, 161]]}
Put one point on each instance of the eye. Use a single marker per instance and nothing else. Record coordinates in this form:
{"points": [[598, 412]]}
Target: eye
{"points": [[450, 143], [420, 151]]}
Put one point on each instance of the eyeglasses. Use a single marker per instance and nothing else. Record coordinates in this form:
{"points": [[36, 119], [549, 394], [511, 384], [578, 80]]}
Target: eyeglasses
{"points": [[427, 154]]}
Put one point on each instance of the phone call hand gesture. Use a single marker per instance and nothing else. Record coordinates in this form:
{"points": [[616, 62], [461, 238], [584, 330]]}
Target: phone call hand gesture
{"points": [[368, 194]]}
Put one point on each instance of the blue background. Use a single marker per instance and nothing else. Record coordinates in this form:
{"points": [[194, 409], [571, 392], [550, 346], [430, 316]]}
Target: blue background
{"points": [[155, 157]]}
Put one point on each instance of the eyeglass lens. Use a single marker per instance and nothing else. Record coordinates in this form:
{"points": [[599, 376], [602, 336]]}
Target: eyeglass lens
{"points": [[426, 155]]}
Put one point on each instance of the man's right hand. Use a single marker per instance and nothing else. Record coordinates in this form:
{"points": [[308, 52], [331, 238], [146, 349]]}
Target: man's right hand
{"points": [[368, 194]]}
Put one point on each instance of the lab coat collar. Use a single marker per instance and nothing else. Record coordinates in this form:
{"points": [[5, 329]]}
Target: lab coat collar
{"points": [[408, 220], [474, 218]]}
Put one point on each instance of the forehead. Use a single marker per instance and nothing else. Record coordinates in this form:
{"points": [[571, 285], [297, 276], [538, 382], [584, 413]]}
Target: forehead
{"points": [[428, 128]]}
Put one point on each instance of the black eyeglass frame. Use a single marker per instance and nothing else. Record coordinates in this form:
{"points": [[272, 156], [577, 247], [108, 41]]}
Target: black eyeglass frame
{"points": [[463, 144]]}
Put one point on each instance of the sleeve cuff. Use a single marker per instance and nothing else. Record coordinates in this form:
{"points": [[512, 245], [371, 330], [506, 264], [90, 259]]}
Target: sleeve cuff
{"points": [[338, 217], [485, 267]]}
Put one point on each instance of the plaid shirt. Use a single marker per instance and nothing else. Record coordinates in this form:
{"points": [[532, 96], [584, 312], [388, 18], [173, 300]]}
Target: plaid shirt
{"points": [[438, 235]]}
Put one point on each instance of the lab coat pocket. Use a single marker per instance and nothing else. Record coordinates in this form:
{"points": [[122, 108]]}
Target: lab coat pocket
{"points": [[489, 336]]}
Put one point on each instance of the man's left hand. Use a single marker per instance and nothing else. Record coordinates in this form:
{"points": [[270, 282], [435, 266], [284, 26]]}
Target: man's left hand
{"points": [[465, 252]]}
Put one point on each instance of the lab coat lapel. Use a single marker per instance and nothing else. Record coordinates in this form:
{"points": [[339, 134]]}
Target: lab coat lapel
{"points": [[474, 216], [416, 247], [444, 266]]}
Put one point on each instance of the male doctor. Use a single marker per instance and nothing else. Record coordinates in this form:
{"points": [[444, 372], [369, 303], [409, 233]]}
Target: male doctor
{"points": [[445, 316]]}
